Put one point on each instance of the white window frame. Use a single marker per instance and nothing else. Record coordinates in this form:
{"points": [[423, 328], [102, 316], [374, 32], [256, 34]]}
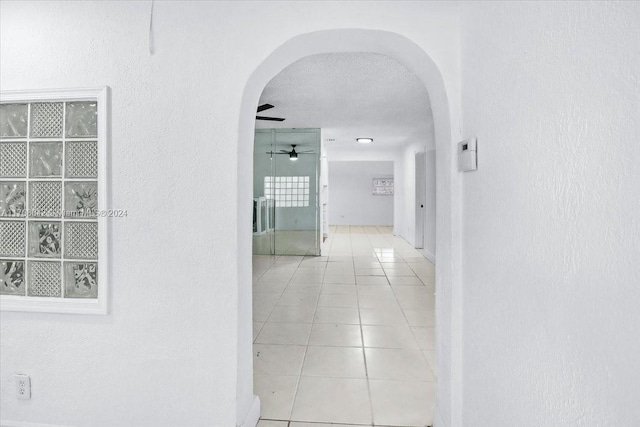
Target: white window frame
{"points": [[74, 305], [277, 184]]}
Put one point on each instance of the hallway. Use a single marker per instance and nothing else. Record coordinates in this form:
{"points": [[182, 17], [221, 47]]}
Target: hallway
{"points": [[348, 337]]}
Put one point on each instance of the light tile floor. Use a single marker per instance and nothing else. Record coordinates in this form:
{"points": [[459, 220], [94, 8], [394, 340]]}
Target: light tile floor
{"points": [[287, 242], [345, 338]]}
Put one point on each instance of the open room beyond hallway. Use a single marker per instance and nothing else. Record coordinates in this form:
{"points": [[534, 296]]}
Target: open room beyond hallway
{"points": [[347, 337]]}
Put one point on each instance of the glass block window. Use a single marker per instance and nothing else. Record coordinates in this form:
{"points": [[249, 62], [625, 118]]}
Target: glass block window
{"points": [[287, 191], [52, 217], [383, 187]]}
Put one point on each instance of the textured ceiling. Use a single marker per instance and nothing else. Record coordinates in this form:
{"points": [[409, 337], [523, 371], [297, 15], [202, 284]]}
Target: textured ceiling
{"points": [[350, 95]]}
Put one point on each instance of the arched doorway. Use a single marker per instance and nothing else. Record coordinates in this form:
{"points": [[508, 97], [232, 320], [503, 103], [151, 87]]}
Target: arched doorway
{"points": [[448, 301]]}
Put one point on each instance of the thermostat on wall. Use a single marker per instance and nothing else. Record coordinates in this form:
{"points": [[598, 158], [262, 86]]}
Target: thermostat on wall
{"points": [[467, 160]]}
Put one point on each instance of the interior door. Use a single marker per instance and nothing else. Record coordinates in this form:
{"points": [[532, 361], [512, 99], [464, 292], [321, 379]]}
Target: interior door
{"points": [[421, 192]]}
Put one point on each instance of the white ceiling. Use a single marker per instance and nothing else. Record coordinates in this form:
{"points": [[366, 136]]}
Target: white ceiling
{"points": [[350, 95]]}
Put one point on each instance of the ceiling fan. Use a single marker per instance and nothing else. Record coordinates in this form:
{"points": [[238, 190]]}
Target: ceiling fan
{"points": [[266, 107], [293, 154]]}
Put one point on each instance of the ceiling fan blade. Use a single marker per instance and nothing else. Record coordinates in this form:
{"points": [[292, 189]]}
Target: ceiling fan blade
{"points": [[273, 152], [305, 152], [273, 119], [264, 107]]}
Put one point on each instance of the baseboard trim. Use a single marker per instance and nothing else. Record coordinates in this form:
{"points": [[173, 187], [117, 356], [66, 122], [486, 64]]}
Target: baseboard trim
{"points": [[437, 418], [253, 416], [11, 423], [431, 257]]}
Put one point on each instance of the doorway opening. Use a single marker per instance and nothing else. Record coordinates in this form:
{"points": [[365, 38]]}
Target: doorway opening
{"points": [[355, 328], [421, 65]]}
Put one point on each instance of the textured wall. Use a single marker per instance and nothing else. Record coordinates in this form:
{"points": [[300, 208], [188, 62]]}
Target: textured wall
{"points": [[169, 351], [157, 358], [551, 217], [551, 274], [430, 207]]}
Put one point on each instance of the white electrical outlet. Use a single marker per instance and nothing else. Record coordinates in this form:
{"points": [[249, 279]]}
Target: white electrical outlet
{"points": [[23, 386]]}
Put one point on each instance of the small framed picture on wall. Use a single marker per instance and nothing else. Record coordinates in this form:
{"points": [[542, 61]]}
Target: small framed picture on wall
{"points": [[383, 186]]}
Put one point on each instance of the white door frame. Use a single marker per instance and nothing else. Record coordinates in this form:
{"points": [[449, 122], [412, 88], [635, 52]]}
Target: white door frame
{"points": [[420, 197]]}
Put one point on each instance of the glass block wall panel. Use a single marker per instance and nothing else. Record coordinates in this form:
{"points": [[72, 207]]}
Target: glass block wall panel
{"points": [[80, 199], [49, 199], [13, 159], [43, 279], [45, 239], [12, 199], [12, 238], [45, 199], [81, 160], [81, 119], [287, 191], [46, 120], [81, 240], [45, 159], [13, 120], [80, 279], [12, 277]]}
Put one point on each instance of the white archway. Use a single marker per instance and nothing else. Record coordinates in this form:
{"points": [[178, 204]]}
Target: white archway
{"points": [[448, 283]]}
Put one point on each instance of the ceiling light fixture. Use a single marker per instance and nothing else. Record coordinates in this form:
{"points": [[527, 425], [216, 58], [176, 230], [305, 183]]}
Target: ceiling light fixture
{"points": [[293, 155], [364, 140]]}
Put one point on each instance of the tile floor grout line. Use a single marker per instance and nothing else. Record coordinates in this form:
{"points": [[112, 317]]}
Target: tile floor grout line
{"points": [[364, 354], [363, 343], [353, 241], [281, 293], [404, 314], [273, 261], [407, 323], [304, 358]]}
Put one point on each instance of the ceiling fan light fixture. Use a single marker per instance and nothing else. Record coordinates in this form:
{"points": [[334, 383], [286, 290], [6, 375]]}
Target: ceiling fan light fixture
{"points": [[293, 156], [364, 140]]}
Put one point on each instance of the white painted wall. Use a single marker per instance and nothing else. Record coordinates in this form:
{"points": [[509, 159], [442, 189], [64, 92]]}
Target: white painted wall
{"points": [[550, 224], [166, 353], [351, 198], [430, 207], [370, 153], [175, 126], [551, 216]]}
